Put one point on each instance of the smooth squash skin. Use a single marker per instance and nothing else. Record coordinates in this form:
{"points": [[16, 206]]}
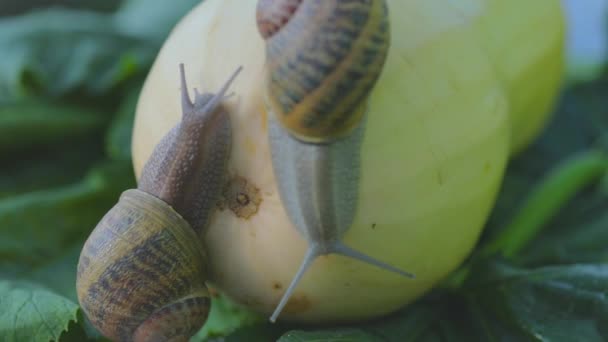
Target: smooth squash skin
{"points": [[434, 152], [525, 41]]}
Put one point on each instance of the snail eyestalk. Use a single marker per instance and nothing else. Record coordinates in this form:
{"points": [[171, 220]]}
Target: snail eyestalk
{"points": [[336, 247]]}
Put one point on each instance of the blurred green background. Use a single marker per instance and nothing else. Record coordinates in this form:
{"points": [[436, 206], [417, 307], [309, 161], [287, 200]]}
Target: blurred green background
{"points": [[70, 74]]}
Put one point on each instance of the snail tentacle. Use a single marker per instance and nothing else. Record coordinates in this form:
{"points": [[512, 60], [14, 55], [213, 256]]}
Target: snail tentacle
{"points": [[344, 250], [312, 253], [318, 185], [336, 247]]}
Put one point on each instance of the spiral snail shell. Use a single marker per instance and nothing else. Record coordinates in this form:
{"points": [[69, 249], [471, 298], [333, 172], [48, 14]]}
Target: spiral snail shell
{"points": [[142, 271], [323, 59]]}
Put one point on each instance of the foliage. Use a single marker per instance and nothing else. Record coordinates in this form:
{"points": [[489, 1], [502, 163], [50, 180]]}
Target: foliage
{"points": [[69, 81]]}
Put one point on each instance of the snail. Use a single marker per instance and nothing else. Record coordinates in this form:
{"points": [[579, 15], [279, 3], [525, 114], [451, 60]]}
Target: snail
{"points": [[437, 131], [323, 58], [142, 271], [317, 90]]}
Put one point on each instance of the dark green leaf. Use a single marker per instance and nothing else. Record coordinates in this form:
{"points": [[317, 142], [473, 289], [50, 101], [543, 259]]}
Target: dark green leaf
{"points": [[27, 124], [336, 335], [224, 318], [151, 19], [256, 333], [40, 225], [560, 303], [59, 51], [31, 313], [10, 8], [583, 243], [118, 138], [48, 167], [545, 200], [77, 333], [410, 324], [58, 273]]}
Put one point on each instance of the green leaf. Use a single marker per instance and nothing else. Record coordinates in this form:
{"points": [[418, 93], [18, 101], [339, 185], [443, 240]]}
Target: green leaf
{"points": [[48, 167], [59, 51], [224, 318], [31, 313], [58, 273], [39, 225], [27, 124], [11, 8], [152, 20], [338, 335], [118, 137], [409, 324], [582, 242], [558, 303], [256, 333], [56, 52], [76, 332]]}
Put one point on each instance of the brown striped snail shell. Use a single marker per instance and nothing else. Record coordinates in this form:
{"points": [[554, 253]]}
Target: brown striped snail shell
{"points": [[142, 271], [323, 58]]}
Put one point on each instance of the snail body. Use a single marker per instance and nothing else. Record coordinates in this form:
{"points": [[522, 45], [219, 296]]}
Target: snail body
{"points": [[436, 138], [316, 96], [142, 271]]}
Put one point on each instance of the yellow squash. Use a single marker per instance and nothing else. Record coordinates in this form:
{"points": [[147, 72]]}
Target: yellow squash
{"points": [[465, 83]]}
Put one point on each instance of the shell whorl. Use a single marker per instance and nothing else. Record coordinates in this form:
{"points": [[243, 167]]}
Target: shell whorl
{"points": [[142, 271], [272, 15], [139, 268], [323, 58]]}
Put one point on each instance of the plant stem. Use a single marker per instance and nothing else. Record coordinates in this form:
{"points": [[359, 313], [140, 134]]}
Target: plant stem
{"points": [[558, 187]]}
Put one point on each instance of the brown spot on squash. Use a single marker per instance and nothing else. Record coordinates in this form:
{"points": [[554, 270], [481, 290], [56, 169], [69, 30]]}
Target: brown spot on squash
{"points": [[241, 197], [297, 304], [277, 286], [253, 302]]}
